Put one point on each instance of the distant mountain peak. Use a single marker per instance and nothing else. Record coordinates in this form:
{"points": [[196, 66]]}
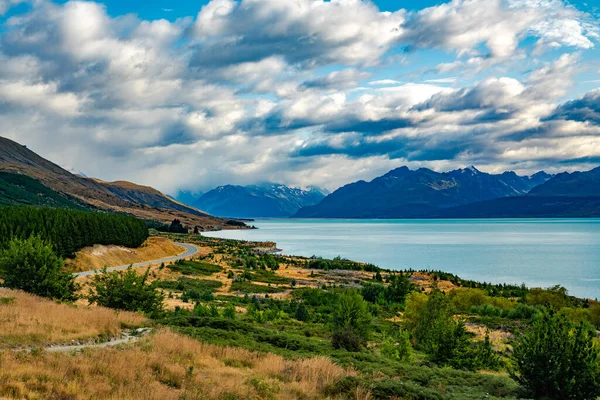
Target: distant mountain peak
{"points": [[265, 199]]}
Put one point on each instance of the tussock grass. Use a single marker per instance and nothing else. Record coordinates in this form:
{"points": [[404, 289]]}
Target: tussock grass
{"points": [[165, 366], [27, 320]]}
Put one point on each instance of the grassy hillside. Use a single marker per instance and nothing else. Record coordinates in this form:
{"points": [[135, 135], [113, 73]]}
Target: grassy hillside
{"points": [[17, 189]]}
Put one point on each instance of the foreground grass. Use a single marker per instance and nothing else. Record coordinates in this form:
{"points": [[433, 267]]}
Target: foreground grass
{"points": [[27, 320], [166, 366]]}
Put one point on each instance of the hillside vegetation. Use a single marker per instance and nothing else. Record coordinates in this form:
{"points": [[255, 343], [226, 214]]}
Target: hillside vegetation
{"points": [[70, 230], [16, 189]]}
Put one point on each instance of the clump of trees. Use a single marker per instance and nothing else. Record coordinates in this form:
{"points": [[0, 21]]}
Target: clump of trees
{"points": [[341, 264], [175, 227], [68, 230], [32, 265], [127, 291], [557, 359], [444, 339]]}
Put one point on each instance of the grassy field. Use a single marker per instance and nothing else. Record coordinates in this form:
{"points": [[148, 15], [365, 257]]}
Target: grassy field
{"points": [[27, 320], [166, 366]]}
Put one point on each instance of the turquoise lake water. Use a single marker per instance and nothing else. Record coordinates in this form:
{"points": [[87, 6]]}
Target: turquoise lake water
{"points": [[539, 252]]}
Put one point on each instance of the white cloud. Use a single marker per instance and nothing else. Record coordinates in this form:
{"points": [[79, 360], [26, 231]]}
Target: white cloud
{"points": [[384, 82], [260, 90], [500, 25]]}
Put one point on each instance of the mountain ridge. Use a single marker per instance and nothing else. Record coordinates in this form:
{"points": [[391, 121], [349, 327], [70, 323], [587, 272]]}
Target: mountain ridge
{"points": [[405, 193]]}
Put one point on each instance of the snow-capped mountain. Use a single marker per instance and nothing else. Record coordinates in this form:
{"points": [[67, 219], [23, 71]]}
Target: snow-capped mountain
{"points": [[255, 201]]}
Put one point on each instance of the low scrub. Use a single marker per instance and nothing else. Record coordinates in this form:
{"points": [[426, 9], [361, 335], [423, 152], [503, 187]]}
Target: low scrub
{"points": [[189, 267]]}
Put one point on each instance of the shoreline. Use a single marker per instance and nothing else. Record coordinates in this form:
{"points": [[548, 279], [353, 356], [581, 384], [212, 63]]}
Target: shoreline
{"points": [[490, 250]]}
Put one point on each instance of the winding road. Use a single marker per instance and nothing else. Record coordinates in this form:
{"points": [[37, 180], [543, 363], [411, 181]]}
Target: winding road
{"points": [[190, 251]]}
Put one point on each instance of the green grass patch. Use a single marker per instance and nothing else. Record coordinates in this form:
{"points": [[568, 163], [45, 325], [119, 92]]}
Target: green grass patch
{"points": [[192, 289], [265, 276], [189, 267]]}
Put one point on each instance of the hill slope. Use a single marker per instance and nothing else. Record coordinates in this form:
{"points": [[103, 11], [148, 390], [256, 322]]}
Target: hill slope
{"points": [[141, 201], [269, 200], [21, 190], [403, 193]]}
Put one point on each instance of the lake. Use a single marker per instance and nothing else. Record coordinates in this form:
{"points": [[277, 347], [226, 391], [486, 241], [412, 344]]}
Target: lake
{"points": [[537, 252]]}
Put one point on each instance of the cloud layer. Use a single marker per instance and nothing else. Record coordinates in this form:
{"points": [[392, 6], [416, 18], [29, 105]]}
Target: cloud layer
{"points": [[297, 91]]}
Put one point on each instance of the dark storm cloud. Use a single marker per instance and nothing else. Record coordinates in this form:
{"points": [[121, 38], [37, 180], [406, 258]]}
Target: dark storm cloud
{"points": [[585, 109]]}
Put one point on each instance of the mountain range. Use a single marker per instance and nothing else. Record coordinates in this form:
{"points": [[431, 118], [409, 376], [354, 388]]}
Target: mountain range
{"points": [[28, 179], [256, 201], [566, 195], [403, 193]]}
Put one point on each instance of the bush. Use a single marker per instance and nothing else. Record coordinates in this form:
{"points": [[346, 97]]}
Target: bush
{"points": [[397, 348], [302, 313], [437, 333], [553, 298], [371, 291], [346, 338], [126, 291], [557, 359], [32, 266], [189, 267], [464, 299], [351, 321], [398, 289]]}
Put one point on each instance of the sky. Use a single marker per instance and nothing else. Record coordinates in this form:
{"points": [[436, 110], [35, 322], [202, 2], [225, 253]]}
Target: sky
{"points": [[188, 95]]}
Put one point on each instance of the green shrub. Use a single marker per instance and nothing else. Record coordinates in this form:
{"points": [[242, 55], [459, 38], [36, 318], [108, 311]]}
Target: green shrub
{"points": [[346, 338], [397, 347], [557, 359], [553, 298], [398, 289], [351, 321], [437, 333], [371, 291], [229, 311], [126, 291], [32, 266], [188, 267]]}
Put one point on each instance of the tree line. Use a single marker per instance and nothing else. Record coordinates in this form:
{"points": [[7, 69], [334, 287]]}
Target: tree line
{"points": [[68, 230]]}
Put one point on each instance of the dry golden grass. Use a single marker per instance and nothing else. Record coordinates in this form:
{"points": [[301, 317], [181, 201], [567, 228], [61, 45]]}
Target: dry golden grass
{"points": [[98, 257], [425, 281], [165, 366], [27, 320], [498, 338]]}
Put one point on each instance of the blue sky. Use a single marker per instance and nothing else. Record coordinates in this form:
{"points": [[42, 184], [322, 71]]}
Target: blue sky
{"points": [[187, 95]]}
